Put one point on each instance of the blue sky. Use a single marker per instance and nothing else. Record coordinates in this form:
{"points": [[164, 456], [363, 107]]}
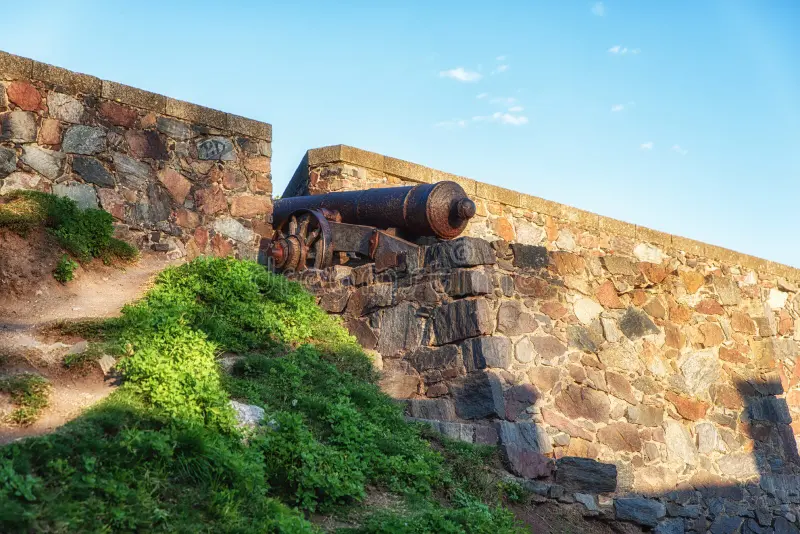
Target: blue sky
{"points": [[683, 116]]}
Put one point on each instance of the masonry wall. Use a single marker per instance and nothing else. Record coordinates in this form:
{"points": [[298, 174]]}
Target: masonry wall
{"points": [[178, 178], [573, 335]]}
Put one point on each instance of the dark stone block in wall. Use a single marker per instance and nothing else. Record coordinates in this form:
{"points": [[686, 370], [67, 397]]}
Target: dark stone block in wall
{"points": [[435, 409], [580, 338], [8, 161], [427, 358], [334, 300], [363, 332], [643, 511], [462, 319], [487, 351], [160, 209], [524, 446], [583, 474], [92, 171], [529, 256], [461, 252], [635, 324], [518, 399], [478, 395], [400, 330], [462, 283]]}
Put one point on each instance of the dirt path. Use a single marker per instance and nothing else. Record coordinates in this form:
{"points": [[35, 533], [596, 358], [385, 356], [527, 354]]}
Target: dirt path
{"points": [[26, 344]]}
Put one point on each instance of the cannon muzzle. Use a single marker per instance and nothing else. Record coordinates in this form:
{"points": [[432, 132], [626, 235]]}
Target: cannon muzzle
{"points": [[442, 209]]}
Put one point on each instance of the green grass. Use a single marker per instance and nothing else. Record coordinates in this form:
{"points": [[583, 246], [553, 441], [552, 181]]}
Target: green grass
{"points": [[85, 234], [29, 392], [163, 453]]}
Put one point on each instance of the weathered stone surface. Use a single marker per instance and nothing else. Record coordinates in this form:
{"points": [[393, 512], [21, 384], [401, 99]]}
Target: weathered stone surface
{"points": [[518, 399], [700, 370], [487, 351], [146, 144], [175, 129], [581, 338], [727, 291], [24, 95], [548, 347], [782, 526], [478, 395], [132, 173], [434, 409], [512, 320], [777, 298], [620, 387], [84, 140], [726, 525], [739, 466], [463, 283], [159, 207], [619, 265], [579, 401], [334, 300], [583, 474], [524, 446], [620, 437], [635, 324], [462, 319], [692, 281], [64, 108], [92, 171], [587, 310], [650, 416], [211, 201], [250, 206], [119, 115], [770, 409], [710, 307], [8, 161], [606, 293], [247, 415], [671, 526], [680, 446], [83, 194], [588, 501], [176, 184], [558, 421], [566, 263], [649, 253], [529, 256], [18, 126], [48, 163], [427, 358], [460, 252], [20, 180], [691, 409], [528, 233], [234, 229], [639, 510], [215, 148], [621, 356], [400, 327]]}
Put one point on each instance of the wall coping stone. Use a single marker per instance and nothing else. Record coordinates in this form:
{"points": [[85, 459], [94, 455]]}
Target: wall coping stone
{"points": [[418, 173], [20, 68]]}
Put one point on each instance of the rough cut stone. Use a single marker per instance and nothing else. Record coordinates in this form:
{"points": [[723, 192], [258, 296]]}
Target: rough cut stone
{"points": [[583, 474], [428, 358], [680, 446], [700, 370], [175, 129], [233, 229], [710, 307], [635, 324], [739, 466], [400, 329], [588, 501], [529, 256], [461, 252], [770, 409], [620, 387], [211, 201], [48, 163], [524, 351], [8, 161], [132, 173], [64, 108], [334, 300], [650, 416], [621, 356], [18, 126], [782, 526], [478, 395], [84, 140], [434, 409], [587, 310], [524, 446], [726, 525], [83, 194], [462, 319], [92, 171], [606, 293], [548, 347], [621, 437], [146, 144], [215, 148], [528, 233], [639, 510], [580, 401], [691, 409], [518, 399], [649, 253], [176, 184], [118, 114], [247, 415], [20, 180], [513, 321], [24, 95], [581, 338], [462, 283], [727, 291], [487, 351], [250, 206], [619, 265]]}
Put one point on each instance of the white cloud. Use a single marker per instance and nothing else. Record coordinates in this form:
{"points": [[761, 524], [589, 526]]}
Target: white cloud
{"points": [[617, 107], [599, 9], [502, 118], [461, 74], [647, 146], [679, 150], [516, 109], [504, 100], [620, 50], [501, 68], [500, 58], [482, 95], [456, 123]]}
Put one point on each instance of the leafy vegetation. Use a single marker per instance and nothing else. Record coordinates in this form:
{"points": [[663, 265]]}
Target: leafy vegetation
{"points": [[30, 393], [164, 453], [85, 234], [65, 269]]}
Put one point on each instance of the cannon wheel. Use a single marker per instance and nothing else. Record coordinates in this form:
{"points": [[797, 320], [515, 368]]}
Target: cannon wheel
{"points": [[302, 241]]}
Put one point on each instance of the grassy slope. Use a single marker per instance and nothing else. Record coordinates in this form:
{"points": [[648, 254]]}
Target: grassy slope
{"points": [[163, 452]]}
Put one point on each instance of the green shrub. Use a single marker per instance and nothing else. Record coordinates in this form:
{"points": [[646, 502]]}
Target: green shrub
{"points": [[30, 393], [65, 269], [20, 213]]}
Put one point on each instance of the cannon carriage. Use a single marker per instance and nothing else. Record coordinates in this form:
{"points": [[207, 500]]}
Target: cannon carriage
{"points": [[371, 225]]}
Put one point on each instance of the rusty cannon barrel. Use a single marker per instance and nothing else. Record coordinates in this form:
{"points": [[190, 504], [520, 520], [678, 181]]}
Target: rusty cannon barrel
{"points": [[442, 209]]}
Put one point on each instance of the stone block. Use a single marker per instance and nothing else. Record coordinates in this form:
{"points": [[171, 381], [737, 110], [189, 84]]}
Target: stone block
{"points": [[24, 95], [681, 449], [582, 338], [119, 115], [579, 401], [146, 144], [518, 399], [335, 300], [65, 108], [440, 358], [233, 229], [8, 161], [15, 67], [460, 252], [18, 126], [84, 195], [487, 351], [84, 140], [725, 525], [478, 395], [464, 283], [21, 180], [583, 474], [132, 173], [434, 409], [249, 127], [646, 512], [196, 114], [620, 266], [524, 446], [462, 319], [635, 324], [134, 97], [529, 256], [178, 130], [369, 297], [401, 329], [72, 81], [48, 163], [92, 171], [215, 148], [512, 320]]}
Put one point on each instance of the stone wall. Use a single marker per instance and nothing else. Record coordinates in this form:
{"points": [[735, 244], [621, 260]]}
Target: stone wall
{"points": [[177, 177], [581, 336]]}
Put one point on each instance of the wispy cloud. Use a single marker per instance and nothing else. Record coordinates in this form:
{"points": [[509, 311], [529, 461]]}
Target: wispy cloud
{"points": [[502, 118], [461, 74], [647, 146], [455, 123], [504, 100], [500, 58], [481, 96], [516, 109], [616, 108], [501, 68], [599, 9], [679, 150], [619, 50]]}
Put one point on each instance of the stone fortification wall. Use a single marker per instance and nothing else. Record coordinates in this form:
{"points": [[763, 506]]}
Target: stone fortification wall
{"points": [[580, 336], [177, 177]]}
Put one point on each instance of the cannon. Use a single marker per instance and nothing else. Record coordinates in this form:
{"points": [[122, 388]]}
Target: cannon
{"points": [[316, 230]]}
